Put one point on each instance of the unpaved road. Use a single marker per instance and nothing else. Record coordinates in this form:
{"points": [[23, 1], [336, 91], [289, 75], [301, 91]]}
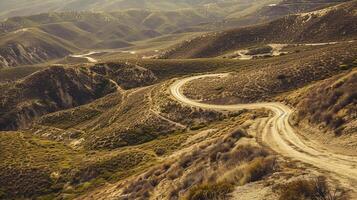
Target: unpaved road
{"points": [[87, 56], [277, 133], [93, 60]]}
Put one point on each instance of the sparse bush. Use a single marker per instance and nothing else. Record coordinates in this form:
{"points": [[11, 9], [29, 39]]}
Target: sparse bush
{"points": [[236, 135], [160, 151], [197, 126], [247, 153], [186, 161], [217, 149], [174, 172], [314, 189], [203, 173], [325, 103], [281, 77], [216, 191], [257, 169]]}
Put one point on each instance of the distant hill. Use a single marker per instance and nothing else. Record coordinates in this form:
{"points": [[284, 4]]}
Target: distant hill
{"points": [[37, 38], [329, 24], [30, 7], [30, 46], [75, 26]]}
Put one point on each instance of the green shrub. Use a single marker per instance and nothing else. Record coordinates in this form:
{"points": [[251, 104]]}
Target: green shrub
{"points": [[344, 67]]}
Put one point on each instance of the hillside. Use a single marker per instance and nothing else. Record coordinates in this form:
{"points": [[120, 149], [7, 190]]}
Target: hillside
{"points": [[272, 10], [271, 77], [56, 35], [25, 7], [332, 104], [330, 24], [59, 34], [31, 46], [277, 10], [47, 91], [329, 105]]}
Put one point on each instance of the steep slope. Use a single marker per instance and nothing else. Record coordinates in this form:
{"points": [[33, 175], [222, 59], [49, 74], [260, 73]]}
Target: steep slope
{"points": [[48, 91], [331, 104], [330, 24]]}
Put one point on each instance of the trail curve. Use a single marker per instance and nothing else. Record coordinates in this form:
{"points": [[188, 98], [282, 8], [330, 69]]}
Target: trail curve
{"points": [[280, 136]]}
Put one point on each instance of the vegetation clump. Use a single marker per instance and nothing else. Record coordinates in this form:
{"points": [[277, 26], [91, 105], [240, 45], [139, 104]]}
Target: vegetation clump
{"points": [[207, 172], [331, 103], [215, 191], [309, 189]]}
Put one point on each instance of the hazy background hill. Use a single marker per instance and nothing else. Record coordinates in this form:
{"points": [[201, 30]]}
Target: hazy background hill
{"points": [[328, 25], [55, 29], [28, 7]]}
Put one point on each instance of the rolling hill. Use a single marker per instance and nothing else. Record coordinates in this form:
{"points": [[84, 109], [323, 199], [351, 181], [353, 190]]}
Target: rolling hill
{"points": [[47, 91], [81, 29], [326, 25], [25, 7], [75, 31], [31, 46]]}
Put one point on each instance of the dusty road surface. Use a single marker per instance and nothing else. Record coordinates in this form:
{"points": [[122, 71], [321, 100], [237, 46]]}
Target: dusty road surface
{"points": [[86, 56], [277, 133]]}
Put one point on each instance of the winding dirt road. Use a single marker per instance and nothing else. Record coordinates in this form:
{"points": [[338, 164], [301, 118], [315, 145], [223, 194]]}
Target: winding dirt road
{"points": [[277, 133], [87, 56]]}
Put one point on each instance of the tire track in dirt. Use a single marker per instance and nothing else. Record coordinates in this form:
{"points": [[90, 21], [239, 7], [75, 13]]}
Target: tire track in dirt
{"points": [[279, 135]]}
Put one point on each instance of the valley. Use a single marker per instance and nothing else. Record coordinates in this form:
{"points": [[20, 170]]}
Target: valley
{"points": [[178, 100]]}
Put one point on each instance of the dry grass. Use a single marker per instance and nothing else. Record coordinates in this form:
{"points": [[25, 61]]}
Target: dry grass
{"points": [[272, 77], [197, 174], [218, 191], [31, 166], [314, 189], [333, 26], [331, 103]]}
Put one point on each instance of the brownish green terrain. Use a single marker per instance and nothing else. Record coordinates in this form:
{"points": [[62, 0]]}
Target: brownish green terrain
{"points": [[159, 100], [76, 26]]}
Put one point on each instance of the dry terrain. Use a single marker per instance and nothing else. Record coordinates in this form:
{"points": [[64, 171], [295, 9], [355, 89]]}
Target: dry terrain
{"points": [[145, 102]]}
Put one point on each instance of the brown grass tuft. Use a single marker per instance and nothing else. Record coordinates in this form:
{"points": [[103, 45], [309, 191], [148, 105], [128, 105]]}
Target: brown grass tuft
{"points": [[314, 189]]}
